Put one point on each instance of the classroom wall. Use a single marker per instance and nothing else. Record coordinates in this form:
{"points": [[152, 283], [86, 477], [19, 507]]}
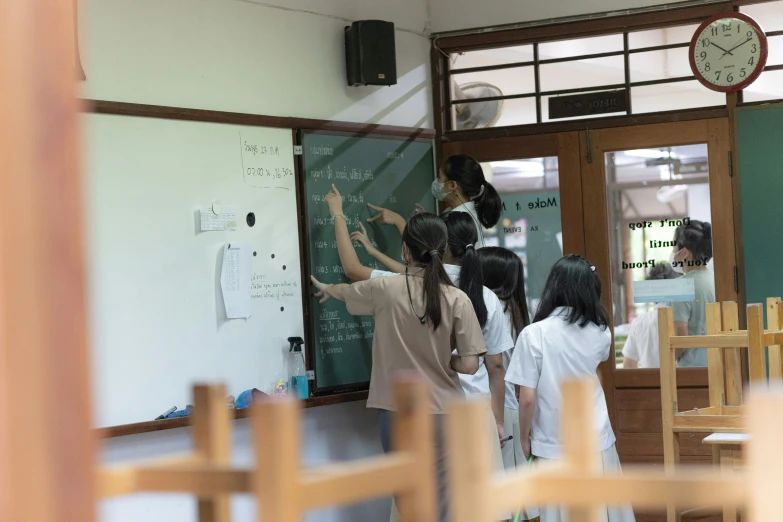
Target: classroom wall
{"points": [[455, 15], [238, 55]]}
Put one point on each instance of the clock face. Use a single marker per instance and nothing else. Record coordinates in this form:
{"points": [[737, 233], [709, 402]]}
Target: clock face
{"points": [[728, 53]]}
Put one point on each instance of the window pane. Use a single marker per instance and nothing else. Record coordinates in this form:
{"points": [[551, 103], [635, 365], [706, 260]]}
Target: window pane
{"points": [[517, 80], [565, 48], [769, 86], [650, 192], [487, 57], [530, 223], [658, 65], [769, 15], [666, 36], [583, 73], [477, 115], [674, 96], [775, 56]]}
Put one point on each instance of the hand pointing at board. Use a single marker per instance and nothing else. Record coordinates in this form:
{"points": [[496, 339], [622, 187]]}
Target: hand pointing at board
{"points": [[388, 217]]}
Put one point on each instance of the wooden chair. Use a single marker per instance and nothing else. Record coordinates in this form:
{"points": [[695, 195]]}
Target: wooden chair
{"points": [[723, 341], [285, 491], [577, 481]]}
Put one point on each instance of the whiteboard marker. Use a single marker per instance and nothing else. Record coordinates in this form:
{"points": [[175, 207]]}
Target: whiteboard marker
{"points": [[167, 413]]}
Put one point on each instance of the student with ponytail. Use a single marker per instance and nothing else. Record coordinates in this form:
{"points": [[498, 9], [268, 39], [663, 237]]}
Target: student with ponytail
{"points": [[423, 323], [462, 187]]}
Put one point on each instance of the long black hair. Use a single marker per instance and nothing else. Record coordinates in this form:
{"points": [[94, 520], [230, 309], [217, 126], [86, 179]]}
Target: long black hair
{"points": [[696, 236], [504, 274], [573, 283], [467, 172], [462, 238], [425, 236]]}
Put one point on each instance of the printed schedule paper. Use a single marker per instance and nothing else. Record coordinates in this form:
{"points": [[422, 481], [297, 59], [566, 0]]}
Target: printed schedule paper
{"points": [[224, 219], [235, 279]]}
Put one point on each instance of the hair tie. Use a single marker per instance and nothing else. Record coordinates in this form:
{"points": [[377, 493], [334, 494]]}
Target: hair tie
{"points": [[481, 192], [592, 268], [469, 246], [433, 253]]}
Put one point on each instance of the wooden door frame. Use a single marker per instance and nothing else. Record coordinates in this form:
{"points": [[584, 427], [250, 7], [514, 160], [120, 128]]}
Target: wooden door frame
{"points": [[716, 134], [565, 146]]}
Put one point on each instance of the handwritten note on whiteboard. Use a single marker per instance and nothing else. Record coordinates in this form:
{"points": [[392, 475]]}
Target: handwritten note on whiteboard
{"points": [[235, 279], [263, 164]]}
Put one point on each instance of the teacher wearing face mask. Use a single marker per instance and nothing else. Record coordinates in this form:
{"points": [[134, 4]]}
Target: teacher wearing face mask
{"points": [[690, 255], [462, 187]]}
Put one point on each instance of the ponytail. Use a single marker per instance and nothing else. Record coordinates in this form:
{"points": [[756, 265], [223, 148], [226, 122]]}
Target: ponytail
{"points": [[488, 206], [467, 172], [434, 276], [425, 236], [462, 235]]}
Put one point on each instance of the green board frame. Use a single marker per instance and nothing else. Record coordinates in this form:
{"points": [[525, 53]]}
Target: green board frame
{"points": [[391, 172]]}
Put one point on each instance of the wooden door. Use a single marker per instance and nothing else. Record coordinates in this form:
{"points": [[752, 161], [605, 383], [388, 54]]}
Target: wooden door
{"points": [[638, 183]]}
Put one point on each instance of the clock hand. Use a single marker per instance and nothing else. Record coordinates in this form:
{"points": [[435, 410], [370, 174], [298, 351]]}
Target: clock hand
{"points": [[736, 46], [725, 52]]}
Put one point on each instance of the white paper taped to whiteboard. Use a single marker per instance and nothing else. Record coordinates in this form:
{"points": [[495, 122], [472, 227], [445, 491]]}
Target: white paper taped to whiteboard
{"points": [[218, 218], [235, 276]]}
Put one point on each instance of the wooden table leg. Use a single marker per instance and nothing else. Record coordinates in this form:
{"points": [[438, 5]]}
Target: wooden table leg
{"points": [[728, 461]]}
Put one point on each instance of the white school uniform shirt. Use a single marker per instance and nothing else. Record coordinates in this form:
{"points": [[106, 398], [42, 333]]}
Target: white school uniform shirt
{"points": [[642, 342], [497, 335], [511, 393], [546, 354], [470, 208]]}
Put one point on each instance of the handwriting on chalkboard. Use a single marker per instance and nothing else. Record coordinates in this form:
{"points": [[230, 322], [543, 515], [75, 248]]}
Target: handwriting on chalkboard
{"points": [[342, 174]]}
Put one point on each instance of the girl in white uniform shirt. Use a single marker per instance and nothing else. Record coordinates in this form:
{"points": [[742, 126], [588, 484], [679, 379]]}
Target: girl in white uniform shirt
{"points": [[504, 274], [462, 187], [568, 339]]}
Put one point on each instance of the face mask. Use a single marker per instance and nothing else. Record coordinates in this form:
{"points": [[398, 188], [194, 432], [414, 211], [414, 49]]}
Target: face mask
{"points": [[676, 266], [436, 189]]}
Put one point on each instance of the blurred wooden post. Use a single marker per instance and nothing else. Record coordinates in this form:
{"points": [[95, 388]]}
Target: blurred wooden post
{"points": [[756, 353], [412, 432], [46, 446], [277, 440], [580, 449], [715, 366], [764, 455], [774, 311], [469, 471], [212, 441], [732, 357]]}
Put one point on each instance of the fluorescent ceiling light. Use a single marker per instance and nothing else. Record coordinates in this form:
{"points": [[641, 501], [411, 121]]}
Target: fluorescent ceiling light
{"points": [[650, 153]]}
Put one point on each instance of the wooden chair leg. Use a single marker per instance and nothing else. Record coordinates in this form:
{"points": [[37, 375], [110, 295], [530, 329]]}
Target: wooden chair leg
{"points": [[774, 311], [212, 442], [756, 353], [413, 432], [732, 357], [276, 438]]}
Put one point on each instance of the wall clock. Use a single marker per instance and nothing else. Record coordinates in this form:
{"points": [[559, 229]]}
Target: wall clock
{"points": [[728, 52]]}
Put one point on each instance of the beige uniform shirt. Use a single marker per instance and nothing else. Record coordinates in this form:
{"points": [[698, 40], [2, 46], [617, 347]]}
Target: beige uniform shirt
{"points": [[401, 343]]}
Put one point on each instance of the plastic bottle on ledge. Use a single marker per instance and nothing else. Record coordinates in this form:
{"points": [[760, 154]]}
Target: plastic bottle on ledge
{"points": [[296, 369]]}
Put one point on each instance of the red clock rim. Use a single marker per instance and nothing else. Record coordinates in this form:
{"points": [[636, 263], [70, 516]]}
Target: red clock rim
{"points": [[762, 58]]}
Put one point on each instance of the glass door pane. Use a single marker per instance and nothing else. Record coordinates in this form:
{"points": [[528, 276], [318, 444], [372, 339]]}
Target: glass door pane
{"points": [[660, 245], [530, 224]]}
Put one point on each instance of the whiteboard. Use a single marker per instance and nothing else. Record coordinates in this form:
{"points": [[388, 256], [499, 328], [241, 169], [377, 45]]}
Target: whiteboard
{"points": [[157, 319]]}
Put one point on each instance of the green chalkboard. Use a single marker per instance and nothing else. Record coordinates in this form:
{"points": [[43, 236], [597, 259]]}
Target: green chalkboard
{"points": [[392, 173], [759, 135]]}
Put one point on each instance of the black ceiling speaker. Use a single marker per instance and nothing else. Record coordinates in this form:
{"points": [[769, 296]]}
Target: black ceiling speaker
{"points": [[369, 53]]}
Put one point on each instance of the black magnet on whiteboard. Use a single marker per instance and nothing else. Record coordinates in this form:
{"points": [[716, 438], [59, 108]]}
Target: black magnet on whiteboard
{"points": [[282, 308], [255, 254], [251, 219], [283, 267], [273, 256]]}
